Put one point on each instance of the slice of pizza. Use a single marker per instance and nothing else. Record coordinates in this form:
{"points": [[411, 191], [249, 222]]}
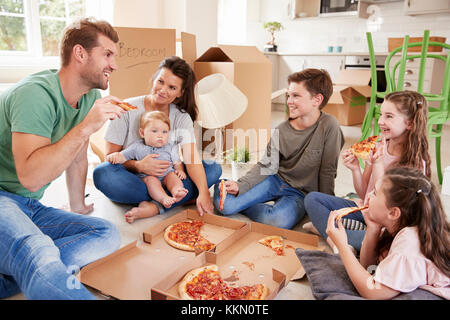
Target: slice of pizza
{"points": [[185, 235], [205, 283], [345, 211], [125, 105], [275, 243], [362, 149], [223, 194], [203, 244]]}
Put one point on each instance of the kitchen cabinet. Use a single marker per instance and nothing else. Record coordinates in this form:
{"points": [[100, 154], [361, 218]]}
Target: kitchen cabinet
{"points": [[287, 64], [433, 79], [415, 7]]}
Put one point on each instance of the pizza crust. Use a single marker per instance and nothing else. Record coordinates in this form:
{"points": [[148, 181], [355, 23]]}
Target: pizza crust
{"points": [[189, 277], [223, 194]]}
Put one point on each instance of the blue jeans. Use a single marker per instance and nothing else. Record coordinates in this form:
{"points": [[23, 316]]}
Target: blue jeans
{"points": [[123, 186], [318, 206], [286, 212], [40, 248]]}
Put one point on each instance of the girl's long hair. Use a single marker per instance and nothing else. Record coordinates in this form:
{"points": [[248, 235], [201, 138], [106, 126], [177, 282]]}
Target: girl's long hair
{"points": [[415, 150], [180, 68], [418, 199]]}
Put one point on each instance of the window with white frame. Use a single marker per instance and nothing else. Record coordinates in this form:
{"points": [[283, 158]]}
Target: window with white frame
{"points": [[34, 27]]}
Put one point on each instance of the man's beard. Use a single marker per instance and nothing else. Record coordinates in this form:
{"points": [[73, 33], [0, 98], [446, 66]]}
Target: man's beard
{"points": [[94, 80]]}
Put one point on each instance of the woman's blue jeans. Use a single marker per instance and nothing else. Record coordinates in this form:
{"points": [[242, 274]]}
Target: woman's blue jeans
{"points": [[123, 186], [318, 206], [41, 247], [286, 212]]}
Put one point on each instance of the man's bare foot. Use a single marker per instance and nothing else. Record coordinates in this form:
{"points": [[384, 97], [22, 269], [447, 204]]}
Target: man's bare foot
{"points": [[180, 194], [145, 209]]}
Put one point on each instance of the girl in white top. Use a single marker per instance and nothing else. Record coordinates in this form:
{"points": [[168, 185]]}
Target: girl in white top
{"points": [[403, 125], [407, 236], [403, 128]]}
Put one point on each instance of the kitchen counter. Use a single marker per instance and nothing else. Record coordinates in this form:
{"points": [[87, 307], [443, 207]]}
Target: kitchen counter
{"points": [[324, 53], [336, 54]]}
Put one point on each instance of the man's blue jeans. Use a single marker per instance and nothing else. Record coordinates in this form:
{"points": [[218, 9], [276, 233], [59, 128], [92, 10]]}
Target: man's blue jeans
{"points": [[40, 248], [123, 186], [318, 206], [286, 212]]}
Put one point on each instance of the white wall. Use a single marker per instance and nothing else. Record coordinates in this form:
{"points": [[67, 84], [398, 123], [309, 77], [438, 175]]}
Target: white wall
{"points": [[201, 20], [313, 35], [198, 17]]}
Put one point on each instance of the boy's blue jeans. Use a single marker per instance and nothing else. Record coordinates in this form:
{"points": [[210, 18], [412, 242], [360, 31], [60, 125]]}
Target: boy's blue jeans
{"points": [[318, 206], [41, 247], [123, 186], [286, 212]]}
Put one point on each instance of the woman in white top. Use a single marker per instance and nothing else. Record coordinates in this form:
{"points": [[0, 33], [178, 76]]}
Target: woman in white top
{"points": [[172, 92]]}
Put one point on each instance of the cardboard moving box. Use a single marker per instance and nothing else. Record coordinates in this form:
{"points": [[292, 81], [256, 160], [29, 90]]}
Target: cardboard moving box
{"points": [[249, 70], [350, 93], [140, 51], [244, 261]]}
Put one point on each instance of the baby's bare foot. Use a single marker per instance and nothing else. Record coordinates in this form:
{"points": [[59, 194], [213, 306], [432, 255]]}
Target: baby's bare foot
{"points": [[167, 201], [145, 210], [180, 194]]}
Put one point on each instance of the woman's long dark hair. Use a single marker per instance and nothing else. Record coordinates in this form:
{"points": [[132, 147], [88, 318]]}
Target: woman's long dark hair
{"points": [[418, 199], [180, 68]]}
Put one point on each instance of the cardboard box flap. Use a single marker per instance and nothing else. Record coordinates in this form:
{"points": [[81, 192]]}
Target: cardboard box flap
{"points": [[336, 96], [214, 54], [353, 77], [188, 48], [363, 90], [247, 54]]}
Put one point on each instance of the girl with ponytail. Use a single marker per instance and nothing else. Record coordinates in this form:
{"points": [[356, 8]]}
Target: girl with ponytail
{"points": [[403, 131], [407, 237]]}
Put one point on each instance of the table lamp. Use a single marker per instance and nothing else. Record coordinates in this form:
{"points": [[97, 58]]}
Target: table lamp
{"points": [[219, 103]]}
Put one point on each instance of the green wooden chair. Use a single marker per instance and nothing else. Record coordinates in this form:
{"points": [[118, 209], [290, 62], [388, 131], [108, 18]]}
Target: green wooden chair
{"points": [[395, 79]]}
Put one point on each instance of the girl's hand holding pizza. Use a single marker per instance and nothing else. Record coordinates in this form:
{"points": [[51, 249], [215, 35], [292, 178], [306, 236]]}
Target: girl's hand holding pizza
{"points": [[337, 234], [350, 160], [378, 155]]}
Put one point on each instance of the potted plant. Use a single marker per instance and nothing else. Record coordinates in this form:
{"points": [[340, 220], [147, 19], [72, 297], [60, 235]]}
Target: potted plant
{"points": [[240, 162], [272, 27]]}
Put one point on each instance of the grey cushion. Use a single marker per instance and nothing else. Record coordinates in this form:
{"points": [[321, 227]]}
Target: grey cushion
{"points": [[329, 280]]}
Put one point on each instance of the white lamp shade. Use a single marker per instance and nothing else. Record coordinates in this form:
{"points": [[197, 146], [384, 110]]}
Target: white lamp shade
{"points": [[219, 101]]}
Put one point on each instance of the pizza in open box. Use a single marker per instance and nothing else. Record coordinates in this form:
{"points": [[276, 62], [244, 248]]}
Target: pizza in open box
{"points": [[205, 283], [185, 235]]}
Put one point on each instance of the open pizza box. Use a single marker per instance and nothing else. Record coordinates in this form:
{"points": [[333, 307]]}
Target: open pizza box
{"points": [[130, 272], [244, 261]]}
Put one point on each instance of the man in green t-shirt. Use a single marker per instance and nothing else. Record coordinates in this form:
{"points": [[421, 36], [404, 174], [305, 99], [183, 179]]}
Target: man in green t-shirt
{"points": [[45, 124]]}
